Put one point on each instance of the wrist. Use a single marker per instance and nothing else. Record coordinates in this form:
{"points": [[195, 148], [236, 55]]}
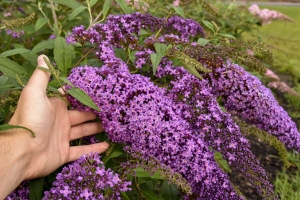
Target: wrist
{"points": [[15, 152]]}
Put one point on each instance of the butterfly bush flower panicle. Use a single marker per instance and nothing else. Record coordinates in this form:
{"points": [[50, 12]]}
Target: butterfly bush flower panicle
{"points": [[87, 178], [120, 29], [216, 128], [244, 95], [138, 113]]}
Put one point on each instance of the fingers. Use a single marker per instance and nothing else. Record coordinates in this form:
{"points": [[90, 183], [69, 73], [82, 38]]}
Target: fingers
{"points": [[40, 78], [78, 117], [77, 151], [85, 129]]}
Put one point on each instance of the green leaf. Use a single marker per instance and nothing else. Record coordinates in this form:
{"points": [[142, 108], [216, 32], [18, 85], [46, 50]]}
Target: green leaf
{"points": [[40, 23], [192, 70], [160, 48], [45, 44], [66, 81], [70, 3], [222, 163], [14, 52], [141, 173], [106, 7], [169, 191], [124, 6], [11, 69], [76, 12], [125, 195], [155, 60], [149, 195], [144, 32], [5, 127], [179, 11], [209, 25], [121, 53], [202, 41], [132, 56], [36, 187], [81, 96], [226, 35], [113, 154], [63, 55], [93, 2]]}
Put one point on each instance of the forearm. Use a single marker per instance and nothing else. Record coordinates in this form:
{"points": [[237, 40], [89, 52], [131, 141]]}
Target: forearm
{"points": [[13, 156]]}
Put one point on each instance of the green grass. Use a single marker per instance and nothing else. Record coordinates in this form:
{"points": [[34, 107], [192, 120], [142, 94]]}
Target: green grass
{"points": [[283, 39]]}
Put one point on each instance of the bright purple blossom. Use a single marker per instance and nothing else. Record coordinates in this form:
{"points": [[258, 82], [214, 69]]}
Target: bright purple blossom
{"points": [[15, 34], [244, 95], [136, 112], [120, 29], [176, 125], [87, 178]]}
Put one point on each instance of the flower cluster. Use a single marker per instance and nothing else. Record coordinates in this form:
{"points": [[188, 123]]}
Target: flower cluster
{"points": [[136, 112], [178, 124], [244, 95], [14, 34], [120, 30], [87, 178], [266, 15], [216, 127]]}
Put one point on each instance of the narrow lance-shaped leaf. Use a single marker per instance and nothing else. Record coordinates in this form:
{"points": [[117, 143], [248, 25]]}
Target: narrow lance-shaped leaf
{"points": [[149, 195], [81, 96], [36, 187], [66, 81], [160, 48], [106, 7], [114, 154], [209, 25], [11, 69], [14, 52], [124, 6], [5, 127], [45, 44], [202, 41], [179, 11], [76, 12], [226, 35], [40, 23], [155, 60], [93, 2], [70, 3], [63, 55]]}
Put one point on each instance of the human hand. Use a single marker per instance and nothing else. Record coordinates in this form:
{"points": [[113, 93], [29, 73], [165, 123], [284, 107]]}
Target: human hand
{"points": [[54, 127]]}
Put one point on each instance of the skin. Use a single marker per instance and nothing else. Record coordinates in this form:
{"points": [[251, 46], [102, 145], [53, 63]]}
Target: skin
{"points": [[24, 157]]}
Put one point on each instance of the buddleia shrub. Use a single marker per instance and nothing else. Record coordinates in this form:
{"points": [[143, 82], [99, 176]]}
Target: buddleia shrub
{"points": [[170, 99]]}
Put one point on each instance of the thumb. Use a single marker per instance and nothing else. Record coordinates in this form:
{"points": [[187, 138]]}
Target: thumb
{"points": [[40, 78]]}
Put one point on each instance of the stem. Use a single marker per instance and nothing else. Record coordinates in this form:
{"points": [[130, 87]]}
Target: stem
{"points": [[95, 20], [90, 12], [54, 15], [170, 14], [41, 9], [83, 57]]}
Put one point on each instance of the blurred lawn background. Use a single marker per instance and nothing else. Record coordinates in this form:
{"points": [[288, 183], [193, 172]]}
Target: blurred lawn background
{"points": [[283, 38]]}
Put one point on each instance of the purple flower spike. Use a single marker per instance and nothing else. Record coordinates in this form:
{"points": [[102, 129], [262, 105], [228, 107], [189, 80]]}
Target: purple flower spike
{"points": [[87, 178], [246, 96], [136, 112]]}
